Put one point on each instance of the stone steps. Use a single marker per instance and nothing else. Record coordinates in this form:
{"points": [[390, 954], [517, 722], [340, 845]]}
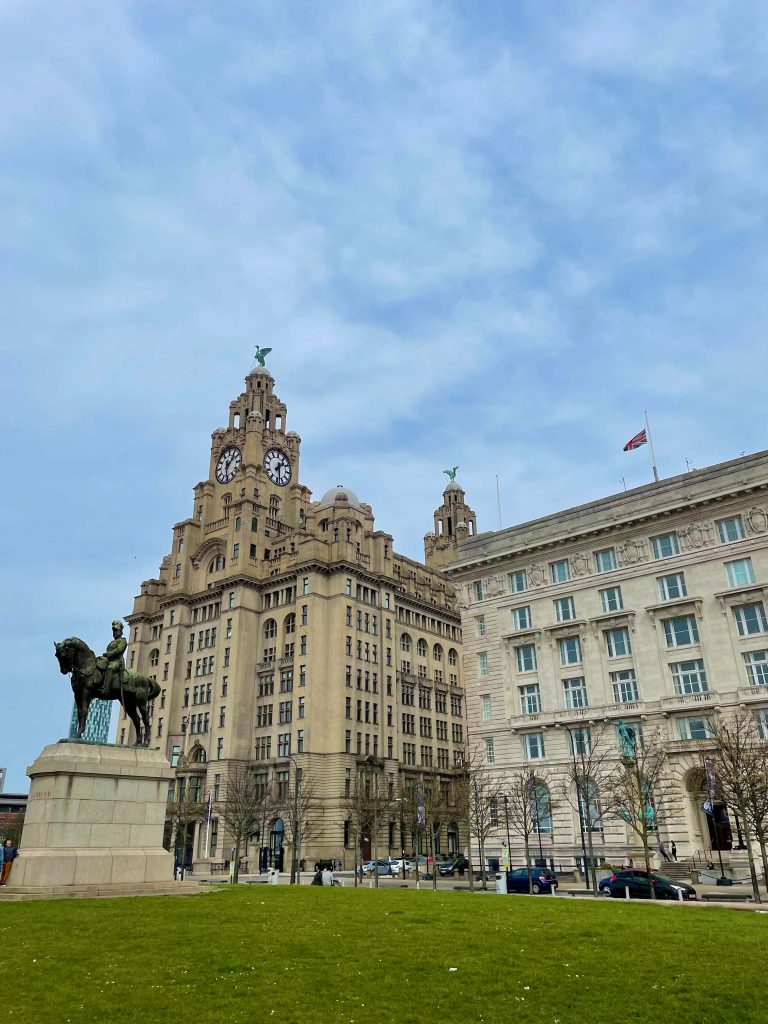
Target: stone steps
{"points": [[16, 893]]}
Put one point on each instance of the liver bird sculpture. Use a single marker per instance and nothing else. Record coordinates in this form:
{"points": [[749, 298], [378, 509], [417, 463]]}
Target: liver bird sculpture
{"points": [[261, 355], [451, 473]]}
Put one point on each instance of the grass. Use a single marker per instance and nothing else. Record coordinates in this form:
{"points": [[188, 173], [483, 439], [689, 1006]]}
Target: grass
{"points": [[258, 953]]}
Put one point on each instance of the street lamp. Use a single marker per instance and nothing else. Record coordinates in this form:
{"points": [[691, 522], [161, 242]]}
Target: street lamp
{"points": [[509, 841]]}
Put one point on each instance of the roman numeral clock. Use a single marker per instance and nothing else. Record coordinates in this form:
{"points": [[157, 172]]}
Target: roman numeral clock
{"points": [[277, 466]]}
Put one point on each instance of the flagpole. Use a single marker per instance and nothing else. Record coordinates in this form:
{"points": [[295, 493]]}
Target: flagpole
{"points": [[653, 453], [498, 499]]}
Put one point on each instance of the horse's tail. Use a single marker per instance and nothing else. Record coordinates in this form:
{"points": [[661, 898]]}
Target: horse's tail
{"points": [[154, 689]]}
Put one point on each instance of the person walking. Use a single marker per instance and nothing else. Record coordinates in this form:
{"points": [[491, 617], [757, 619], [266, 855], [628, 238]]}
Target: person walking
{"points": [[327, 876], [663, 852], [674, 850], [10, 853]]}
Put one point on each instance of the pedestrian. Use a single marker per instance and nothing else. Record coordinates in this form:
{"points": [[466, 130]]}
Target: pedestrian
{"points": [[318, 878], [674, 850], [327, 876], [10, 853], [663, 851]]}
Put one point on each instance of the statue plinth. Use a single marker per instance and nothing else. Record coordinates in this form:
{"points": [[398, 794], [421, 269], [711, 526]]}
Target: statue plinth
{"points": [[94, 820]]}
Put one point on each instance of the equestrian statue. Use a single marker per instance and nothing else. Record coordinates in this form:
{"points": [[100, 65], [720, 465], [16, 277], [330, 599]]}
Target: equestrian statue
{"points": [[106, 678]]}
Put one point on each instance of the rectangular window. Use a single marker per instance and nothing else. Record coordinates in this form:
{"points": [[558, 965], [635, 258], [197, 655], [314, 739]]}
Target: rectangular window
{"points": [[580, 741], [730, 530], [665, 545], [605, 560], [305, 585], [480, 620], [695, 728], [521, 618], [624, 686], [617, 642], [611, 600], [689, 676], [560, 572], [490, 755], [756, 663], [300, 741], [530, 699], [741, 573], [479, 590], [750, 619], [526, 658], [681, 631], [485, 706], [570, 650], [533, 746], [672, 587], [565, 610], [518, 581], [575, 693]]}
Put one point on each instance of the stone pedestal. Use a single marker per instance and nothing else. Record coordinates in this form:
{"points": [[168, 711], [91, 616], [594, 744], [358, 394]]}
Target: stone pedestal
{"points": [[94, 820]]}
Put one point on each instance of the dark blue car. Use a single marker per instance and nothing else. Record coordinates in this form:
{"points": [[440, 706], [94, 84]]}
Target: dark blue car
{"points": [[541, 880]]}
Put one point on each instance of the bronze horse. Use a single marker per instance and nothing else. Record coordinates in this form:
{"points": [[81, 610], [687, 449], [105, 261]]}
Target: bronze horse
{"points": [[75, 656]]}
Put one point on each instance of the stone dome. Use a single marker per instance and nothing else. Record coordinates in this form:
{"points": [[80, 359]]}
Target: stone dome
{"points": [[339, 495], [453, 485]]}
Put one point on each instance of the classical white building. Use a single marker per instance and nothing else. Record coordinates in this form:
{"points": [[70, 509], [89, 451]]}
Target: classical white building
{"points": [[647, 607]]}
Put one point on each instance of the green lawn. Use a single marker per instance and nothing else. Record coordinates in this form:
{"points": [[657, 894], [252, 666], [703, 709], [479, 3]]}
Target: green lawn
{"points": [[258, 953]]}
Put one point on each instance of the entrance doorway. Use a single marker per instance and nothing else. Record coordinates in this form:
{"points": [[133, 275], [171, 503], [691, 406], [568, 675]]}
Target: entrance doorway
{"points": [[276, 841]]}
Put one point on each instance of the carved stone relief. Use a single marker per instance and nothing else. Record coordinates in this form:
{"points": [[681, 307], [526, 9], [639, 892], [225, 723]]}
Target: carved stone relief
{"points": [[460, 594], [756, 520], [697, 535], [537, 575], [632, 552], [580, 564], [494, 586]]}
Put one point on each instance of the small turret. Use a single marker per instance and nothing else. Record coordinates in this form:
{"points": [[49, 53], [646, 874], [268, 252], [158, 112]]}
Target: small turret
{"points": [[454, 521]]}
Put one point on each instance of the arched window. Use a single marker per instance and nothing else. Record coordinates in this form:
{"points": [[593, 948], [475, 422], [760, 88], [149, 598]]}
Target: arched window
{"points": [[589, 806], [216, 564], [542, 809], [437, 652], [405, 642], [421, 648], [154, 657], [199, 755], [289, 624], [453, 658], [270, 629]]}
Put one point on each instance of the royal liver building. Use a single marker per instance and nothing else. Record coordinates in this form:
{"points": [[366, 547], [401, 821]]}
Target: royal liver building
{"points": [[287, 634]]}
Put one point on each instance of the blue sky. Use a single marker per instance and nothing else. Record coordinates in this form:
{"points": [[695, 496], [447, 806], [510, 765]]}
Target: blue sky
{"points": [[489, 234]]}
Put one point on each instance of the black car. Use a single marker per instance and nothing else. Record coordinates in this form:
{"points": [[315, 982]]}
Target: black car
{"points": [[541, 880], [636, 880], [457, 863]]}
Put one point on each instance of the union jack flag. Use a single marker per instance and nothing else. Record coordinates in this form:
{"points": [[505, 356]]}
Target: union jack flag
{"points": [[637, 440]]}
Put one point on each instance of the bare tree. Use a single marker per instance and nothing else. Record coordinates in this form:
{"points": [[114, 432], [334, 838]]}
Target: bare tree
{"points": [[590, 753], [180, 813], [635, 790], [435, 813], [527, 801], [369, 807], [301, 810], [240, 810], [479, 792], [738, 768], [11, 826]]}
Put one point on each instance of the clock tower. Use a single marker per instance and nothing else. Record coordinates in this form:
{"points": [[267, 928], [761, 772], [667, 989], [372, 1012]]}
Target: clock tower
{"points": [[287, 635]]}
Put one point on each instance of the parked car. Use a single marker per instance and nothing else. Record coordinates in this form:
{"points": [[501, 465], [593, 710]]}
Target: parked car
{"points": [[380, 867], [453, 864], [636, 880], [541, 880]]}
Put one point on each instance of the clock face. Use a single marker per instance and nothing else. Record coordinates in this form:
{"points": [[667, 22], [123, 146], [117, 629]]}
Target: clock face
{"points": [[277, 466], [229, 462]]}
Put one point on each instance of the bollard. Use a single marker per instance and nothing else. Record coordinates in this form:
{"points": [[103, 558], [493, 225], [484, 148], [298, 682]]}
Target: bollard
{"points": [[679, 895], [626, 892]]}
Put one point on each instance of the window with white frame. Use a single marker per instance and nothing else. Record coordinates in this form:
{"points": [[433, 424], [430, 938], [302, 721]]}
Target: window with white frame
{"points": [[624, 686], [560, 572], [480, 620], [521, 618], [490, 754], [695, 727], [665, 545], [617, 642], [761, 718], [526, 658], [750, 619], [605, 560], [740, 573], [672, 586], [575, 691], [756, 664], [518, 581], [485, 706], [611, 600], [533, 746], [530, 699], [730, 530], [682, 631], [689, 676], [479, 590], [570, 650], [482, 663], [580, 741], [565, 610]]}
